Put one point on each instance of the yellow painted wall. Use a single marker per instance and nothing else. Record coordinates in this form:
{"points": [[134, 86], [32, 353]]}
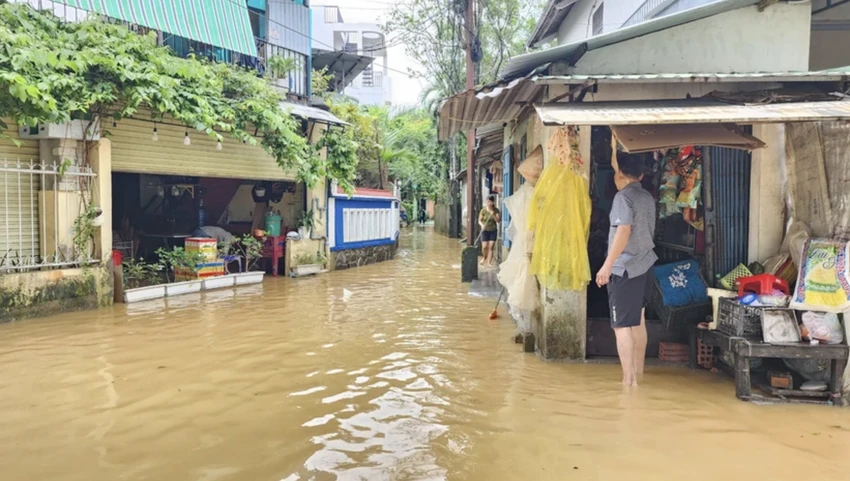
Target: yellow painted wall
{"points": [[133, 150], [304, 246], [28, 151]]}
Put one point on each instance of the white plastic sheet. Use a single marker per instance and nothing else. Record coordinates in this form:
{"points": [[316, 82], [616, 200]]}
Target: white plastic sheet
{"points": [[514, 272]]}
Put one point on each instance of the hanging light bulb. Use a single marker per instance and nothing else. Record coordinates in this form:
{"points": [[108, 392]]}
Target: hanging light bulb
{"points": [[155, 135], [186, 139], [218, 145]]}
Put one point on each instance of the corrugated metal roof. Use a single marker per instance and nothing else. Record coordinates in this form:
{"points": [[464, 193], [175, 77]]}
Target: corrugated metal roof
{"points": [[490, 141], [496, 103], [836, 75], [311, 113], [502, 102], [521, 64], [688, 112]]}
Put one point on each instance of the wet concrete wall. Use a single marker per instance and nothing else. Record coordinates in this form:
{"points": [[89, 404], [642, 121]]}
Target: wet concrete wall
{"points": [[349, 258], [43, 293]]}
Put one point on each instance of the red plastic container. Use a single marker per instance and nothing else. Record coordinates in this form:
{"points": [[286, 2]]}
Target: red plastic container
{"points": [[117, 258], [762, 284]]}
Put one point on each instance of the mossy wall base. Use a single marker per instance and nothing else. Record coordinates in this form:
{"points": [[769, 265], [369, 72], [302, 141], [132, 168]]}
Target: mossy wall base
{"points": [[560, 325], [43, 293]]}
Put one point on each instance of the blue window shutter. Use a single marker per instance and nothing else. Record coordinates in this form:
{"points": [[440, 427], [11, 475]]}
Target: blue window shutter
{"points": [[507, 190]]}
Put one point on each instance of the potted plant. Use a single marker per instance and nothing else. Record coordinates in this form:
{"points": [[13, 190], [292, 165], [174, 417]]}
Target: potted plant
{"points": [[142, 281], [181, 264], [307, 264], [306, 223], [278, 70], [251, 250]]}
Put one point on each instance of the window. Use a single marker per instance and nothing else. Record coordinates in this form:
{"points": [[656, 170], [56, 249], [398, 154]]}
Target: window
{"points": [[332, 15], [597, 19]]}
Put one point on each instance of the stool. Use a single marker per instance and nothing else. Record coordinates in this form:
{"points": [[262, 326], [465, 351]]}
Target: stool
{"points": [[232, 258], [762, 284]]}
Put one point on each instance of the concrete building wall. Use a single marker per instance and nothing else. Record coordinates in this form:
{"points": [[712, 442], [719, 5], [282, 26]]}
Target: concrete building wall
{"points": [[743, 40], [617, 12], [829, 38], [767, 193], [577, 24], [328, 36], [828, 49], [36, 293]]}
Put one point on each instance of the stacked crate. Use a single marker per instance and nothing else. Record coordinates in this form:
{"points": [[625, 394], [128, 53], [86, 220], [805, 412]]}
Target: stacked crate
{"points": [[212, 266]]}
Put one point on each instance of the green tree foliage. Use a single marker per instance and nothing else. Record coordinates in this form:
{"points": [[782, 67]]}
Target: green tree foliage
{"points": [[414, 156], [52, 71], [434, 35], [433, 32]]}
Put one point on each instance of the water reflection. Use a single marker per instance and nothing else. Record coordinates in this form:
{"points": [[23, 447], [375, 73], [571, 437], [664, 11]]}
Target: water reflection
{"points": [[381, 372]]}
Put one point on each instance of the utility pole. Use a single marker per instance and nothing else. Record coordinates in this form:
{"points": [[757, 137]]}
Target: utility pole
{"points": [[470, 134]]}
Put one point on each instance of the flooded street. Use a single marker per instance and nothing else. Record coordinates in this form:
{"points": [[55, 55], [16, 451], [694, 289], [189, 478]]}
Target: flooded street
{"points": [[389, 371]]}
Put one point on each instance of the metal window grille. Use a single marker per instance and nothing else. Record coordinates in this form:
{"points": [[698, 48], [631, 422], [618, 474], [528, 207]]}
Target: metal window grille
{"points": [[38, 207]]}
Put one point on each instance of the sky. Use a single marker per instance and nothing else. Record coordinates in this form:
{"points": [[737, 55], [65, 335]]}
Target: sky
{"points": [[405, 88]]}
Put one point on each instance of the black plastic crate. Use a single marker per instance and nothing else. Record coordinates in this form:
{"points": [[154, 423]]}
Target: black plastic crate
{"points": [[676, 317], [733, 319]]}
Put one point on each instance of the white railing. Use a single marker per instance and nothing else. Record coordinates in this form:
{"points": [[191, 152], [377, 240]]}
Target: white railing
{"points": [[39, 204], [362, 225]]}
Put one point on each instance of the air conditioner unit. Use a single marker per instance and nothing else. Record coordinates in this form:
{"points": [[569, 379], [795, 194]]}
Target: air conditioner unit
{"points": [[68, 130]]}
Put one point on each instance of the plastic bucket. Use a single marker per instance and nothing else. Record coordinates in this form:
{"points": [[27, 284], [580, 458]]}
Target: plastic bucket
{"points": [[117, 258], [272, 225]]}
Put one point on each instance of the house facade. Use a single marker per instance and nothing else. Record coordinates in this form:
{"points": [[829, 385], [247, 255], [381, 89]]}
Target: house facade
{"points": [[652, 73], [566, 21], [371, 82], [153, 180]]}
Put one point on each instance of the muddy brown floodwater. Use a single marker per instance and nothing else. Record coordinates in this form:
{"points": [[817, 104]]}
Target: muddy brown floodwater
{"points": [[383, 372]]}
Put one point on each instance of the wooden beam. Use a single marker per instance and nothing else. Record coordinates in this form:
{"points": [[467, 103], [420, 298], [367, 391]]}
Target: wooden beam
{"points": [[575, 90]]}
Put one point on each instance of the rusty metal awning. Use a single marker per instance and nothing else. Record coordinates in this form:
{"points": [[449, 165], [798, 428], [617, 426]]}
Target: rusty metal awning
{"points": [[489, 142], [689, 112], [495, 103]]}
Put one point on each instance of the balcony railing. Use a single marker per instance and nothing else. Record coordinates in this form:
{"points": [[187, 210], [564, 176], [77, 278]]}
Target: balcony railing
{"points": [[297, 81]]}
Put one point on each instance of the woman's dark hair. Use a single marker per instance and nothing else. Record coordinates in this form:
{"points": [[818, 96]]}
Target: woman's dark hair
{"points": [[630, 165], [491, 198]]}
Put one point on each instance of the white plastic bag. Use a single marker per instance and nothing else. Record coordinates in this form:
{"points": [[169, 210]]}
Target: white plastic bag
{"points": [[824, 327]]}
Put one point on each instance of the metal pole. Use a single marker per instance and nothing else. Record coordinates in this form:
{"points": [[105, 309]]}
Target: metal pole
{"points": [[470, 134], [20, 217], [56, 214], [8, 242], [33, 251]]}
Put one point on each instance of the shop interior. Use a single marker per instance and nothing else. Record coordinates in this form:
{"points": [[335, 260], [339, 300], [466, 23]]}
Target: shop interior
{"points": [[154, 211], [674, 177], [706, 305]]}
